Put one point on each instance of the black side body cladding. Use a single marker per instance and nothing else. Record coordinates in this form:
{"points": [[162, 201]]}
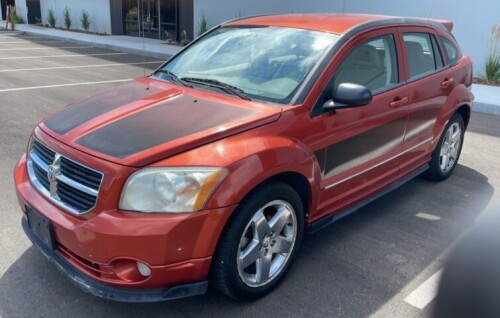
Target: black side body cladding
{"points": [[329, 219]]}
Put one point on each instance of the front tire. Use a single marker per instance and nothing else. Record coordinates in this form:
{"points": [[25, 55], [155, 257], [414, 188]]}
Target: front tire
{"points": [[259, 242], [445, 156]]}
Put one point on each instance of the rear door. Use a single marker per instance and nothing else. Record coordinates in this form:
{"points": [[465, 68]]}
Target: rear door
{"points": [[363, 143], [429, 83]]}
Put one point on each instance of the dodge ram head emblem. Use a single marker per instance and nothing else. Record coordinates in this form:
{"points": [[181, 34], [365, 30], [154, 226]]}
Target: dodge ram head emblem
{"points": [[52, 172]]}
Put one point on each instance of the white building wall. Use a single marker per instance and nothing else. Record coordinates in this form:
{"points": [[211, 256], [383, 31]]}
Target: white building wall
{"points": [[217, 11], [473, 19], [99, 12], [22, 10]]}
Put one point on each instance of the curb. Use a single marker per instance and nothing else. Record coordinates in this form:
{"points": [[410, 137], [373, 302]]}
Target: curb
{"points": [[156, 55], [490, 109], [5, 32]]}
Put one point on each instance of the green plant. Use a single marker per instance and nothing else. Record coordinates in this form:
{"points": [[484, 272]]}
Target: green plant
{"points": [[13, 17], [492, 66], [67, 17], [51, 19], [184, 38], [239, 14], [85, 20], [38, 21], [19, 19], [168, 37], [203, 25]]}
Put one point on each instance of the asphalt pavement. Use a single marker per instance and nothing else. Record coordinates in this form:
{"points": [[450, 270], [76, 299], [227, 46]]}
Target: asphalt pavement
{"points": [[382, 261]]}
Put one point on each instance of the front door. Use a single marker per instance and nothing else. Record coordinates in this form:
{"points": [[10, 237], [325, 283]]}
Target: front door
{"points": [[156, 19], [364, 143]]}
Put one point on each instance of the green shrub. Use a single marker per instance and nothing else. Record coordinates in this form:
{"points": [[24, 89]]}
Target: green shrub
{"points": [[85, 20], [492, 65], [203, 25], [13, 17], [184, 38], [19, 20], [240, 14], [51, 18], [492, 68], [67, 17]]}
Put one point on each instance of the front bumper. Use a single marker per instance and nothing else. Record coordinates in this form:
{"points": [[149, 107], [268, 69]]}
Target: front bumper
{"points": [[96, 288], [99, 252]]}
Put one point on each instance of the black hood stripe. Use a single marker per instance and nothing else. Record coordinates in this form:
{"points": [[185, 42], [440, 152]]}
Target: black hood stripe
{"points": [[99, 104], [175, 118]]}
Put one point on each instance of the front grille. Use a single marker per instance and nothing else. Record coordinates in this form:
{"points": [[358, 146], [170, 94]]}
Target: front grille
{"points": [[67, 183]]}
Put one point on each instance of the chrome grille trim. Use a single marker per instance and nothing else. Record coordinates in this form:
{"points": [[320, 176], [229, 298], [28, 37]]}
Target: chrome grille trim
{"points": [[73, 196]]}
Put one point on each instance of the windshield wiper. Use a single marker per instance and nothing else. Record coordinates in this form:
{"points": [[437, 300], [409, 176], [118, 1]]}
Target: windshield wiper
{"points": [[218, 84], [174, 77]]}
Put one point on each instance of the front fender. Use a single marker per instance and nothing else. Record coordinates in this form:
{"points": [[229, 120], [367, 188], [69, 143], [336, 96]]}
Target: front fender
{"points": [[251, 159]]}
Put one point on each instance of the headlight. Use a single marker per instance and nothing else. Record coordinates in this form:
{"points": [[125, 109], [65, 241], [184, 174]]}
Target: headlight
{"points": [[179, 189]]}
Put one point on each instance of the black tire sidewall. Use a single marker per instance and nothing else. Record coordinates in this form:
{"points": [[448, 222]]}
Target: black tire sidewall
{"points": [[237, 224], [435, 168]]}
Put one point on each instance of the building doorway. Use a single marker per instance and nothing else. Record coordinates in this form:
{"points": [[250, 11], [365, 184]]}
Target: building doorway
{"points": [[151, 18], [3, 5], [34, 12]]}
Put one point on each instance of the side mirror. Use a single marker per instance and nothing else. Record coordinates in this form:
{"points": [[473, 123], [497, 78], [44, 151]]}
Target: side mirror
{"points": [[349, 95]]}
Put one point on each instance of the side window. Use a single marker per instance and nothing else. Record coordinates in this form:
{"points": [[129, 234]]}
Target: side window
{"points": [[372, 64], [451, 51], [421, 55], [438, 59]]}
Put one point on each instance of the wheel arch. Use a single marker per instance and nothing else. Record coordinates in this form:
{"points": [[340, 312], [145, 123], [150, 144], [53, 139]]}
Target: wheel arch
{"points": [[465, 112], [299, 184]]}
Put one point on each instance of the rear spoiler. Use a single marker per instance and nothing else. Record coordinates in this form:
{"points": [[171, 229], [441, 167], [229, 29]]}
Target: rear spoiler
{"points": [[447, 24]]}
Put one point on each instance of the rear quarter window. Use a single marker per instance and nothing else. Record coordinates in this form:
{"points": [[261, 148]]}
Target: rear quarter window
{"points": [[422, 53], [450, 50]]}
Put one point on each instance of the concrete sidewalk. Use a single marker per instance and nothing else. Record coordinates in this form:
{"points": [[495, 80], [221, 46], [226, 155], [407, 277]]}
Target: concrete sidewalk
{"points": [[130, 44], [487, 97]]}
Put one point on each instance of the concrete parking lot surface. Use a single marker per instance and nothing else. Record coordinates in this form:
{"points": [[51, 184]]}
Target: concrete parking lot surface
{"points": [[382, 261]]}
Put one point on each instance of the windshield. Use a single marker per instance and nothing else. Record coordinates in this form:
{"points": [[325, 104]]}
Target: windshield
{"points": [[264, 63]]}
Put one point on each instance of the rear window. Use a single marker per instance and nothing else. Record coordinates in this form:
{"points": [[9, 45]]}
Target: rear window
{"points": [[423, 56], [451, 51]]}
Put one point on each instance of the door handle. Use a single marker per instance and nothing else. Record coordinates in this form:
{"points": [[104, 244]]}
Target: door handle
{"points": [[398, 101], [447, 82]]}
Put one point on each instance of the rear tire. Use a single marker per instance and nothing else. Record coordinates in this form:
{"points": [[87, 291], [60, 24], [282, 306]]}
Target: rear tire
{"points": [[259, 242], [447, 152]]}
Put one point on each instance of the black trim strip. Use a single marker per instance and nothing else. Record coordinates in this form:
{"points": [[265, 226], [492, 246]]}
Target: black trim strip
{"points": [[329, 219], [379, 164], [98, 289], [167, 121], [99, 104]]}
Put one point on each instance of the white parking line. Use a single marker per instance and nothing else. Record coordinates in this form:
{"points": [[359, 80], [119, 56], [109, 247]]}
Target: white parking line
{"points": [[77, 66], [61, 85], [29, 42], [427, 216], [46, 48], [63, 55], [425, 293], [13, 36]]}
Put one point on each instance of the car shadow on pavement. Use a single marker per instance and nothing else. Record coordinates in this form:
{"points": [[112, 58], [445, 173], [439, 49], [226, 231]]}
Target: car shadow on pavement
{"points": [[349, 269]]}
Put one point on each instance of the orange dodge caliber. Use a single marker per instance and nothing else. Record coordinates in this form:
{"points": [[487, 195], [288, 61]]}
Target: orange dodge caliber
{"points": [[212, 168]]}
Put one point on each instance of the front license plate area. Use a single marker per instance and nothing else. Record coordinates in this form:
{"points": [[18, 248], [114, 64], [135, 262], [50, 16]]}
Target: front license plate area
{"points": [[41, 227]]}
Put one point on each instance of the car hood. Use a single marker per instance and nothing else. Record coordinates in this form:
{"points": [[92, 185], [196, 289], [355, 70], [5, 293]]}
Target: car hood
{"points": [[146, 120]]}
